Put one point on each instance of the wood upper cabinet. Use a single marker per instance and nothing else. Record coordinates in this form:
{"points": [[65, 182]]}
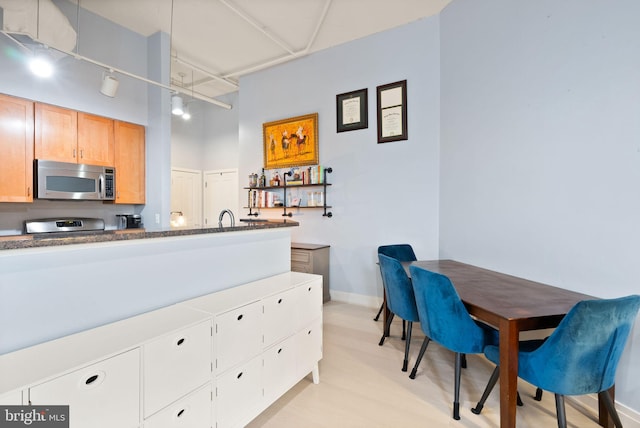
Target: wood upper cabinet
{"points": [[69, 136], [56, 133], [129, 163], [16, 149], [95, 140]]}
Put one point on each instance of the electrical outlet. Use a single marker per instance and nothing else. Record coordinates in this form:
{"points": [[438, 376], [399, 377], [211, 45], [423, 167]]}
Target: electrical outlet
{"points": [[157, 218]]}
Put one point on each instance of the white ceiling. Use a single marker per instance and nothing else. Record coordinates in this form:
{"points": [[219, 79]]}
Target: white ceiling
{"points": [[217, 41]]}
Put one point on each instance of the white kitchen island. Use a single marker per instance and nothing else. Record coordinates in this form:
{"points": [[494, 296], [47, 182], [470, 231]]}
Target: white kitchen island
{"points": [[47, 292], [197, 331]]}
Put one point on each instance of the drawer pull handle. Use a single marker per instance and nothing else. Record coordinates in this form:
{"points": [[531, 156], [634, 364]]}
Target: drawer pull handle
{"points": [[309, 289], [309, 332], [279, 350], [279, 301], [239, 375], [91, 379], [181, 412], [240, 317], [181, 341]]}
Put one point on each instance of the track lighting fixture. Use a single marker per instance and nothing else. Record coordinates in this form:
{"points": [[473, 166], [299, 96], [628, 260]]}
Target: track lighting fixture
{"points": [[176, 105], [41, 64], [109, 84]]}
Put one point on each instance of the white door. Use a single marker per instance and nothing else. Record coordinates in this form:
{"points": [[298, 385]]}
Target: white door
{"points": [[186, 198], [220, 193]]}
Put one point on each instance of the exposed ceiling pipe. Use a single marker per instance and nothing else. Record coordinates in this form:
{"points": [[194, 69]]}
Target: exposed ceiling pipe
{"points": [[327, 4], [292, 55], [257, 25], [205, 72]]}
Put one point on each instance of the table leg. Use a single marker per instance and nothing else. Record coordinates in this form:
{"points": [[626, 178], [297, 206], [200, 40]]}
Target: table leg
{"points": [[509, 335]]}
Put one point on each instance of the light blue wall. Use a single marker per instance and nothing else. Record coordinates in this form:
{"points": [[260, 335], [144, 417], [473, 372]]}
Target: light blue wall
{"points": [[381, 193], [541, 146]]}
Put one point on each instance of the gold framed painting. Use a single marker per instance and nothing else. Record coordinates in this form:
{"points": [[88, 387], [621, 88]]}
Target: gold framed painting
{"points": [[291, 142]]}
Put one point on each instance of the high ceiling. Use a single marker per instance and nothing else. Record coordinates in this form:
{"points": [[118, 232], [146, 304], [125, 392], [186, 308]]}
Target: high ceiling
{"points": [[214, 42]]}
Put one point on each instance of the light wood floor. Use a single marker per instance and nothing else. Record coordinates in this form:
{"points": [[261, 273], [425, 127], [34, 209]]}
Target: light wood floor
{"points": [[361, 385]]}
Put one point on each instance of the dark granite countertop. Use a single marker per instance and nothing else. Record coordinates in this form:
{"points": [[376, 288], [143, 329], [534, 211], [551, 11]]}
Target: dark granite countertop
{"points": [[70, 238]]}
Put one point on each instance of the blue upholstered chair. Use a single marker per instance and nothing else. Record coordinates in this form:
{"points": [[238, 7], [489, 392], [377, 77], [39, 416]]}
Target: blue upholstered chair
{"points": [[580, 356], [403, 253], [445, 320], [400, 299]]}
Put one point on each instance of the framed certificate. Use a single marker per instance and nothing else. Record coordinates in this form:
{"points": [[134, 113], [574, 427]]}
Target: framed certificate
{"points": [[392, 112], [351, 110]]}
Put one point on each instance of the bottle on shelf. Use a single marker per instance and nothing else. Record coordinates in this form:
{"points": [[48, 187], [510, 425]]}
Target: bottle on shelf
{"points": [[263, 179]]}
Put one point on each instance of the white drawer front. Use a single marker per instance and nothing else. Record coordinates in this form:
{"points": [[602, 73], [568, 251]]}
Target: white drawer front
{"points": [[309, 302], [103, 395], [309, 348], [193, 411], [238, 336], [277, 316], [279, 370], [176, 364], [238, 394], [13, 398]]}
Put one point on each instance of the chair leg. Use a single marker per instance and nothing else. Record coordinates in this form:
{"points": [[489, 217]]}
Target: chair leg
{"points": [[492, 382], [423, 348], [562, 417], [538, 396], [611, 408], [405, 363], [456, 388], [377, 317], [464, 361], [385, 331], [404, 330]]}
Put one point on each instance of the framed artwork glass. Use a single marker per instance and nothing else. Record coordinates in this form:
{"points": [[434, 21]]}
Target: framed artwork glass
{"points": [[291, 142], [392, 112], [352, 111]]}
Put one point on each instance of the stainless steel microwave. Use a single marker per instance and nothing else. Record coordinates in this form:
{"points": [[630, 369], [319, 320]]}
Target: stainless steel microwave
{"points": [[63, 180]]}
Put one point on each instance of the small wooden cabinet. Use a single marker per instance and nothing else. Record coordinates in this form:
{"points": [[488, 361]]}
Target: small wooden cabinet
{"points": [[56, 133], [16, 149], [95, 140], [66, 135], [129, 162], [312, 258]]}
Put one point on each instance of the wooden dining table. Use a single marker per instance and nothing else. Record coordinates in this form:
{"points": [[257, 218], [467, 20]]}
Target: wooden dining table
{"points": [[511, 305]]}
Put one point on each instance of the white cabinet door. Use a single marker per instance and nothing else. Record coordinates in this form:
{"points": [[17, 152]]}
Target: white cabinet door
{"points": [[277, 316], [175, 365], [309, 302], [13, 398], [238, 336], [309, 348], [193, 411], [279, 369], [239, 394], [103, 395]]}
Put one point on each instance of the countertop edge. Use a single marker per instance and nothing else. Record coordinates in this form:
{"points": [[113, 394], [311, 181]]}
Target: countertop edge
{"points": [[16, 242]]}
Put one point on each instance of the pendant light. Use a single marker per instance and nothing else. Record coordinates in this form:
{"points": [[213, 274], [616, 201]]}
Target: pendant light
{"points": [[176, 105]]}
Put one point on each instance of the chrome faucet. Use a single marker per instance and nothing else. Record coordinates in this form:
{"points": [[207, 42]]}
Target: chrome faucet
{"points": [[222, 213]]}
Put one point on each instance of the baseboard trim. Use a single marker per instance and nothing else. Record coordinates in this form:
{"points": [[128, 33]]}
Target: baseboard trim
{"points": [[588, 404], [356, 299]]}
